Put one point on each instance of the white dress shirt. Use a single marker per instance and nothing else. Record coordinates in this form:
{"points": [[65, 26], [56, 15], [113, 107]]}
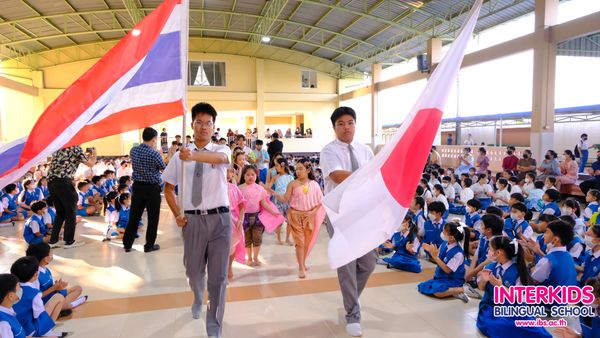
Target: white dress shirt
{"points": [[214, 179], [336, 156]]}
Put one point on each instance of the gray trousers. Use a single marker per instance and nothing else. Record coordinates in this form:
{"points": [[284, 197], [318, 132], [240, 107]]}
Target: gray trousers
{"points": [[352, 278], [206, 240]]}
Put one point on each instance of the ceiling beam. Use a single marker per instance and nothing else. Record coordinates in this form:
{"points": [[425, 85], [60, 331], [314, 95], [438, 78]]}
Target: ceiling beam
{"points": [[48, 22], [269, 14], [319, 20], [134, 9], [230, 16]]}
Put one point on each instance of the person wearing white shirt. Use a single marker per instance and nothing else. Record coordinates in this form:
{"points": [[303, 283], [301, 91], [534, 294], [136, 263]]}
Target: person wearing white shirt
{"points": [[469, 141], [448, 189], [124, 170], [584, 151], [204, 216], [339, 159]]}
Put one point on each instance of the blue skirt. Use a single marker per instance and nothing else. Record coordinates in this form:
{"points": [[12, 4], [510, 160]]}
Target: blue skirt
{"points": [[502, 327], [36, 240], [82, 212], [439, 285], [43, 324], [485, 202], [404, 263], [457, 209], [7, 216], [47, 298]]}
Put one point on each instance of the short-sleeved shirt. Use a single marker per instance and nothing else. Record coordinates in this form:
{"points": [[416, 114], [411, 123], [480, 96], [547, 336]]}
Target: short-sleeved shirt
{"points": [[65, 162], [510, 162], [336, 156], [214, 179], [147, 164]]}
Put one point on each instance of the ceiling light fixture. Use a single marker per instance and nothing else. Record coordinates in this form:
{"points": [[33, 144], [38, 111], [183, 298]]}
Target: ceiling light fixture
{"points": [[266, 39], [136, 32]]}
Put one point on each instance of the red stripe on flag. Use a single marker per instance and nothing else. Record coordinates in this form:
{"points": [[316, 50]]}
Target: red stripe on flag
{"points": [[91, 85], [402, 170], [127, 120]]}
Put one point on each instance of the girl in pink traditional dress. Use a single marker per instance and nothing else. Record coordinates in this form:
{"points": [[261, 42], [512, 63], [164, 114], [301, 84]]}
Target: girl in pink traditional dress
{"points": [[237, 206], [305, 213], [256, 197]]}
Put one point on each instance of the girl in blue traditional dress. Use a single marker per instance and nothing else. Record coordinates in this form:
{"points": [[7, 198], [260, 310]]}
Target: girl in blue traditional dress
{"points": [[508, 269], [449, 275]]}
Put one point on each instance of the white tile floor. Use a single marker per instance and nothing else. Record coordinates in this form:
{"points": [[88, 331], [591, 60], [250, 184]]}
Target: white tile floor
{"points": [[106, 272]]}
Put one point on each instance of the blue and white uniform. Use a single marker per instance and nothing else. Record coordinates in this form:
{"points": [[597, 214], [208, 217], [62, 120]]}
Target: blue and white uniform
{"points": [[512, 228], [453, 256], [31, 312], [551, 208], [591, 267], [9, 324], [557, 268], [34, 224], [473, 221], [589, 211], [46, 281], [402, 258]]}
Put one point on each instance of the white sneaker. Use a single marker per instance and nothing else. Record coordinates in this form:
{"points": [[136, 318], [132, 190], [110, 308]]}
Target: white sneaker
{"points": [[462, 297], [354, 330], [74, 244], [471, 292], [55, 245]]}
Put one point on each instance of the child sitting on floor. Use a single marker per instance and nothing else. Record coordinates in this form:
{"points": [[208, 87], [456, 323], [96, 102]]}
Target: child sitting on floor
{"points": [[405, 245]]}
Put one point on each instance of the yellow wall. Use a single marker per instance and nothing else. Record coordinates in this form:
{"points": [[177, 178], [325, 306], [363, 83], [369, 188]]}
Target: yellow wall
{"points": [[284, 78], [19, 112]]}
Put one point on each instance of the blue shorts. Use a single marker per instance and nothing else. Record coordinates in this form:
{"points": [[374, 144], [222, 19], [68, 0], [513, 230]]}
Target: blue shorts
{"points": [[82, 212], [262, 175]]}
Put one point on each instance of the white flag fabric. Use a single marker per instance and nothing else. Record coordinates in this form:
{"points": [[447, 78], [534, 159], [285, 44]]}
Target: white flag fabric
{"points": [[367, 207]]}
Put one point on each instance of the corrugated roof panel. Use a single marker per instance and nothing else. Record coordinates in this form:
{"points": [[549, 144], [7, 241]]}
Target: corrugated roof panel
{"points": [[221, 5], [249, 6]]}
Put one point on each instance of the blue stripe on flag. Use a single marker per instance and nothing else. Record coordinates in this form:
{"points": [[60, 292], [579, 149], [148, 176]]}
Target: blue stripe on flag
{"points": [[10, 158], [162, 62], [97, 112]]}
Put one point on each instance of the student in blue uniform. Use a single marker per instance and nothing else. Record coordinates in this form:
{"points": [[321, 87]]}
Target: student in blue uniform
{"points": [[576, 247], [516, 226], [590, 326], [9, 201], [406, 248], [29, 195], [42, 189], [10, 293], [30, 310], [473, 218], [551, 198], [592, 198], [111, 182], [48, 286], [123, 208], [97, 188], [538, 246], [35, 230], [591, 266], [572, 208], [111, 214], [84, 208], [433, 228], [449, 275], [49, 215], [534, 199], [508, 268], [557, 268], [417, 208]]}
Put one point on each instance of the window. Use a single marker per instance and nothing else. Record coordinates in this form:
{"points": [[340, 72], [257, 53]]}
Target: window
{"points": [[309, 79], [206, 73]]}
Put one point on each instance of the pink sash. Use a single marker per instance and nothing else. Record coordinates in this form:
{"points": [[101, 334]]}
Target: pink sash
{"points": [[319, 218], [270, 221]]}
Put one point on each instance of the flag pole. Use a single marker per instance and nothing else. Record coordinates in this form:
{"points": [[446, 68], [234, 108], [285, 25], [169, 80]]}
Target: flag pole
{"points": [[184, 76]]}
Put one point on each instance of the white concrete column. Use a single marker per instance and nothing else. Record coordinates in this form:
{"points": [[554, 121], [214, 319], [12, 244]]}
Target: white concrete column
{"points": [[260, 99], [544, 77], [434, 55], [375, 124]]}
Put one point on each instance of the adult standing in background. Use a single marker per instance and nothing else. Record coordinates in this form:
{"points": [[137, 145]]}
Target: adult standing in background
{"points": [[204, 216], [164, 143], [594, 171], [435, 159], [449, 141], [275, 146], [339, 159], [147, 166], [62, 189], [469, 141], [583, 151]]}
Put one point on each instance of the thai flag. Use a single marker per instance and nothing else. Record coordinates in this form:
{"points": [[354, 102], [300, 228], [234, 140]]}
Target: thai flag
{"points": [[370, 205], [139, 82]]}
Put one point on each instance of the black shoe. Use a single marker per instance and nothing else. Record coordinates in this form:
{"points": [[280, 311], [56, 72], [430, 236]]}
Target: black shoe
{"points": [[127, 249], [65, 313], [63, 334], [155, 247]]}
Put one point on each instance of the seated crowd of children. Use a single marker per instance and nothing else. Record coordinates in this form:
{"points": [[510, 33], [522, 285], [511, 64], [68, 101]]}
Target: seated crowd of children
{"points": [[482, 234]]}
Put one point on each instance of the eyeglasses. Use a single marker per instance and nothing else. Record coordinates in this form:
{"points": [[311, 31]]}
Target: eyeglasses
{"points": [[201, 124]]}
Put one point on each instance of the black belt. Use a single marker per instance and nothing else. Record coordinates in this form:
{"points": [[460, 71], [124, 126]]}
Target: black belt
{"points": [[219, 210]]}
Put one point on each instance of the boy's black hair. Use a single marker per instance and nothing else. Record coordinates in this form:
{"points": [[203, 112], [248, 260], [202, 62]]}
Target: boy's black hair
{"points": [[96, 179], [8, 283], [148, 134], [259, 142], [437, 206], [37, 206], [122, 186], [420, 201], [493, 222], [519, 207], [341, 111], [468, 182], [420, 190], [446, 178], [50, 201], [494, 210], [25, 268], [538, 184], [474, 203], [204, 108], [124, 179], [9, 188], [568, 219], [547, 218], [562, 230], [39, 251], [518, 196], [553, 194], [81, 184]]}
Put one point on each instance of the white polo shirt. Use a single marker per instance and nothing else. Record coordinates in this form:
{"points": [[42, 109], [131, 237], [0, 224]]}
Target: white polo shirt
{"points": [[214, 179], [336, 156]]}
